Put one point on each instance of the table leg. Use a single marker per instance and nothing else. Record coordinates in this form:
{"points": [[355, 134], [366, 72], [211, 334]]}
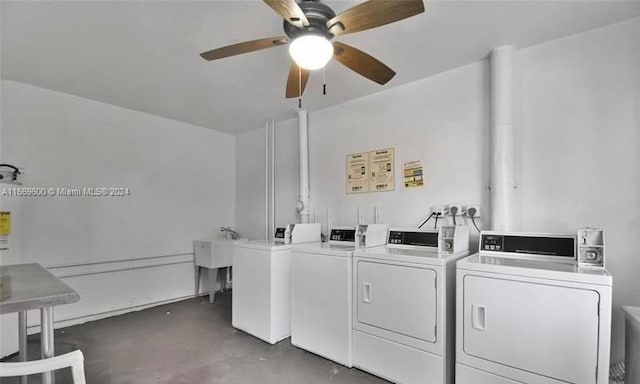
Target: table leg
{"points": [[213, 279], [22, 340], [46, 341], [223, 284], [197, 280]]}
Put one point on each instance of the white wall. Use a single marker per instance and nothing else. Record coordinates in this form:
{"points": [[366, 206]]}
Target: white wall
{"points": [[441, 120], [8, 323], [119, 253], [250, 184], [286, 172], [251, 199], [578, 147]]}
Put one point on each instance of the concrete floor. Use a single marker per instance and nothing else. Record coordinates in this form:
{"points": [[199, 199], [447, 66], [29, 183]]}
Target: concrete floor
{"points": [[190, 341]]}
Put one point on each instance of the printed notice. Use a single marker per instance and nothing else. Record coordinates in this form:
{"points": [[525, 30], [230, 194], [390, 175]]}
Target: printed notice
{"points": [[413, 176], [382, 165], [5, 223], [358, 173]]}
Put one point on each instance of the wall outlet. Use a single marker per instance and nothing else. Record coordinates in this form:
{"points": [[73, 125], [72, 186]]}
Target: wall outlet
{"points": [[457, 208], [472, 207], [439, 210]]}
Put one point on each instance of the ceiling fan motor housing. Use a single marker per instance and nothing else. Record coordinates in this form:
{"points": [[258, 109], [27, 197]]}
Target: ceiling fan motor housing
{"points": [[317, 14]]}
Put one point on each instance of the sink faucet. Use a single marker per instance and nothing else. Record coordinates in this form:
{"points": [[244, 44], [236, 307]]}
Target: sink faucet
{"points": [[234, 234]]}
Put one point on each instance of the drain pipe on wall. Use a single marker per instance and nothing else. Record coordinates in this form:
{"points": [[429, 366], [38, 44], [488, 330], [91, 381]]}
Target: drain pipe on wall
{"points": [[266, 182], [302, 206], [502, 170], [269, 180], [272, 181]]}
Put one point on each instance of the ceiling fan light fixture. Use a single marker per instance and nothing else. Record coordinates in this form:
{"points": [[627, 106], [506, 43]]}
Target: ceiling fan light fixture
{"points": [[311, 51]]}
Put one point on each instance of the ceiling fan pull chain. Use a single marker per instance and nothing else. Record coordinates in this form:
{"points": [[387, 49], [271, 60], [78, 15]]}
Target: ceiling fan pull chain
{"points": [[324, 80], [299, 88]]}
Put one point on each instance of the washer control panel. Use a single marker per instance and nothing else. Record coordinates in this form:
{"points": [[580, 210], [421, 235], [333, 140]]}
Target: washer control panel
{"points": [[492, 243], [338, 234], [280, 233], [526, 245], [423, 238]]}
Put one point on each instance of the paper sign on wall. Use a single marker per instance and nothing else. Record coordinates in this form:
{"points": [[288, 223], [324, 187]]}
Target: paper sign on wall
{"points": [[358, 173], [413, 174], [5, 223], [382, 166]]}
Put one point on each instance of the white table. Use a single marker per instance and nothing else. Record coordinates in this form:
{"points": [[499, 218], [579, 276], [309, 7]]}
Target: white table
{"points": [[25, 287]]}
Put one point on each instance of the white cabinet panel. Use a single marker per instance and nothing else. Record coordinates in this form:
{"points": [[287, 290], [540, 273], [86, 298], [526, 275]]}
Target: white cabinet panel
{"points": [[387, 297], [321, 305], [251, 295], [545, 329]]}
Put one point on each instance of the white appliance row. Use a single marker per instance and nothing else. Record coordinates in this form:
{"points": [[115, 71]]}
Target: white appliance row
{"points": [[383, 309], [524, 310], [261, 296]]}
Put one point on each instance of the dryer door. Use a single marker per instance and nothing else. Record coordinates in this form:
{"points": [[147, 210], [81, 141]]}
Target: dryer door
{"points": [[548, 330], [397, 298]]}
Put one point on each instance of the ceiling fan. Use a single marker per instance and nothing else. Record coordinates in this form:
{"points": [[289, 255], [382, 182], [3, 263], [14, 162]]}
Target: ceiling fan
{"points": [[311, 25]]}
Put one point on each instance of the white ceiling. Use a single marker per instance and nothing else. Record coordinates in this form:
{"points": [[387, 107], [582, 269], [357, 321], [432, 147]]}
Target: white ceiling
{"points": [[143, 55]]}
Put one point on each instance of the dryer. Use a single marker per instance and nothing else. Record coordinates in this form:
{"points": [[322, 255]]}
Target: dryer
{"points": [[404, 302], [321, 291], [527, 313]]}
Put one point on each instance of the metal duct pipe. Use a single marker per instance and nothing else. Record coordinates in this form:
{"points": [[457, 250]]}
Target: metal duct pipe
{"points": [[302, 206], [502, 139]]}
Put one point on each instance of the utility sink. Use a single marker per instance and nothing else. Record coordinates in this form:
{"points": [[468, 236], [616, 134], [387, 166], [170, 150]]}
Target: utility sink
{"points": [[213, 254]]}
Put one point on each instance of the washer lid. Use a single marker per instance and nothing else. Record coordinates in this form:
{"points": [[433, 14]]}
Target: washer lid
{"points": [[325, 249], [411, 255], [266, 245], [535, 268]]}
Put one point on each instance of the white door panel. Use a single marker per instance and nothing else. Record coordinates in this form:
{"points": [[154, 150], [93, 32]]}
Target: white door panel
{"points": [[544, 329], [397, 298]]}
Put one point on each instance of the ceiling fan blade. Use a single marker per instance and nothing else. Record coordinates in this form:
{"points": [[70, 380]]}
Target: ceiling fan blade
{"points": [[359, 62], [372, 14], [290, 11], [245, 47], [295, 83]]}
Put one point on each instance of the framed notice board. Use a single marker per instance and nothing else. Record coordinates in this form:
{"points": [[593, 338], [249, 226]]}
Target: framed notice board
{"points": [[371, 171]]}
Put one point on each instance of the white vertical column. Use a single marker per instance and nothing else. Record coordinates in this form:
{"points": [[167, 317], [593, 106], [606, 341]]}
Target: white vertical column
{"points": [[303, 135], [266, 182], [502, 138], [272, 180]]}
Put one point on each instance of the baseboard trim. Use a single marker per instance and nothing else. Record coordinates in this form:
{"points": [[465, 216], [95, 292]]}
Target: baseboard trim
{"points": [[63, 323], [78, 270]]}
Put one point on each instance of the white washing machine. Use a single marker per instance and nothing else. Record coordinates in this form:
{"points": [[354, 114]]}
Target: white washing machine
{"points": [[321, 291], [404, 302], [261, 296], [526, 313]]}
